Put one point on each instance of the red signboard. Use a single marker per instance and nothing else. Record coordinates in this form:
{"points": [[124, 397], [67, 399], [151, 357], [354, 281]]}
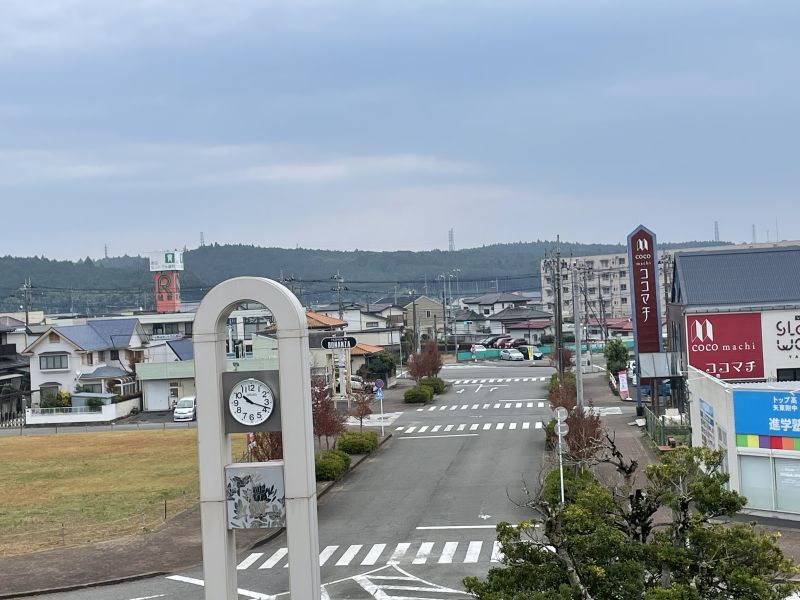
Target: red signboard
{"points": [[168, 292], [644, 290], [726, 345]]}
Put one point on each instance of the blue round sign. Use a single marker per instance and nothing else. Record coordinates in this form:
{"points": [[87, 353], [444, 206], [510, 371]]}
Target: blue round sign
{"points": [[379, 383]]}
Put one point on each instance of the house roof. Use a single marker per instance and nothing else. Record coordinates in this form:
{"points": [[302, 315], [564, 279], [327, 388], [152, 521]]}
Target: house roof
{"points": [[183, 348], [9, 324], [749, 276], [362, 349], [532, 324], [519, 313], [495, 298], [100, 334], [466, 314], [318, 321], [404, 300], [105, 373]]}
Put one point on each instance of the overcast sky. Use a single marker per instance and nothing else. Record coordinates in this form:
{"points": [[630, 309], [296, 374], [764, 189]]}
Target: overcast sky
{"points": [[382, 124]]}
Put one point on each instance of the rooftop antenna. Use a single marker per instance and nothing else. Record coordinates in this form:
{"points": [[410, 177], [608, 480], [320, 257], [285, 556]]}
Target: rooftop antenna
{"points": [[105, 250], [451, 241], [202, 239], [754, 233], [716, 231]]}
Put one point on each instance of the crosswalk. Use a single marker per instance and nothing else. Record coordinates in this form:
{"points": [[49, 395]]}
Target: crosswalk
{"points": [[485, 406], [466, 428], [416, 553], [496, 380]]}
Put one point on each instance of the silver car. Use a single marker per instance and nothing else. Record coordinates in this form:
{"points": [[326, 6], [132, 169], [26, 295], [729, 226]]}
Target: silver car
{"points": [[185, 409]]}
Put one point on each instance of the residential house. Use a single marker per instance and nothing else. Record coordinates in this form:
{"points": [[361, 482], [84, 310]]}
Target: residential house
{"points": [[423, 313], [499, 322], [98, 356], [466, 322], [532, 330], [13, 367], [368, 327], [491, 304]]}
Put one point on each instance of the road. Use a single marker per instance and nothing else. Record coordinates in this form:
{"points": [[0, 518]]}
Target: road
{"points": [[418, 515]]}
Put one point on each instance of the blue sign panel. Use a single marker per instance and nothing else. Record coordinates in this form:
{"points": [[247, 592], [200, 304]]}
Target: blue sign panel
{"points": [[763, 412], [379, 394]]}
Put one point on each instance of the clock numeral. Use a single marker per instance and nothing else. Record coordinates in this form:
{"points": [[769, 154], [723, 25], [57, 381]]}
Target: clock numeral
{"points": [[238, 409], [252, 387], [258, 416], [264, 395], [252, 417], [236, 403], [239, 395]]}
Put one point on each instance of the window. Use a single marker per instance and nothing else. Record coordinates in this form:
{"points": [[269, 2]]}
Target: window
{"points": [[606, 290], [788, 374], [115, 355], [427, 314], [787, 484], [101, 356], [53, 362], [590, 264], [756, 481], [604, 264], [623, 300], [592, 290], [94, 388], [165, 328], [53, 338], [487, 311], [606, 276], [623, 273], [188, 328], [623, 287], [372, 324], [48, 391], [621, 264], [89, 358]]}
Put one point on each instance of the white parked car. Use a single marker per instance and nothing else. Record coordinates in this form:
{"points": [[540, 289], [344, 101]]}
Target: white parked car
{"points": [[511, 354], [185, 409]]}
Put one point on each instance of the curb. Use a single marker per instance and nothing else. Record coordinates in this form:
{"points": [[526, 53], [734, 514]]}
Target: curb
{"points": [[129, 578]]}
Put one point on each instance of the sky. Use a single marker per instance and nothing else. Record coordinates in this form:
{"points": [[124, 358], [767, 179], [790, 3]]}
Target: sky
{"points": [[138, 124]]}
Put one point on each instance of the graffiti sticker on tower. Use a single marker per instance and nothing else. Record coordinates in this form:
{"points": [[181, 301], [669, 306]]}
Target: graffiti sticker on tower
{"points": [[726, 345]]}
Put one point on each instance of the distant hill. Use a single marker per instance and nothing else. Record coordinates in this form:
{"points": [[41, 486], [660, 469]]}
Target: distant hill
{"points": [[125, 282]]}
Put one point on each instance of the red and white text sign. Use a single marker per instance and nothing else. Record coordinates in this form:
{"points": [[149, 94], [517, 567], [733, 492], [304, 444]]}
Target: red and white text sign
{"points": [[644, 286], [726, 345]]}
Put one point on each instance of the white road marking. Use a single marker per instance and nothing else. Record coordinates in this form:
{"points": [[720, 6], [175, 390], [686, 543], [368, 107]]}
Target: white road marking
{"points": [[526, 425], [443, 408], [428, 437], [411, 429], [448, 553], [507, 405], [529, 405], [240, 591], [512, 425], [516, 379], [482, 381], [420, 409], [485, 406], [455, 406], [149, 597], [473, 552], [373, 555], [436, 428], [326, 554], [518, 405], [399, 428], [492, 389], [496, 405], [541, 404], [474, 407], [424, 553], [442, 527], [461, 391], [448, 428], [248, 562], [487, 426], [275, 558], [473, 427], [538, 424], [349, 555], [497, 555], [399, 552], [477, 388], [500, 426], [431, 408], [423, 429], [461, 427], [464, 406]]}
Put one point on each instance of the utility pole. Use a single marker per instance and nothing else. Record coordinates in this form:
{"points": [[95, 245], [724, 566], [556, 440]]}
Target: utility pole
{"points": [[413, 294], [603, 326], [576, 319], [26, 300], [338, 289], [586, 309], [553, 264], [666, 264], [444, 313]]}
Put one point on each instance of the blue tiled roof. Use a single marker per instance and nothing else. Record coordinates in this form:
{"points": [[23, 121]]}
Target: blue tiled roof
{"points": [[101, 334], [183, 348], [738, 277]]}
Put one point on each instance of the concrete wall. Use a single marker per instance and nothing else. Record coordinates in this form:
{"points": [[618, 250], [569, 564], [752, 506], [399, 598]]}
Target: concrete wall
{"points": [[108, 413]]}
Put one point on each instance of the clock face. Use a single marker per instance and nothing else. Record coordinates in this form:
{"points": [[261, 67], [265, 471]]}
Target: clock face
{"points": [[251, 402]]}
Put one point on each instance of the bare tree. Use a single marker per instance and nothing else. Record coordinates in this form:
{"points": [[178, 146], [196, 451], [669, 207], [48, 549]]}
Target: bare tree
{"points": [[362, 408]]}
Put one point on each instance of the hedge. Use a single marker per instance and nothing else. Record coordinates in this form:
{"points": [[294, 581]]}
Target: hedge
{"points": [[435, 383], [330, 465], [357, 442], [418, 395]]}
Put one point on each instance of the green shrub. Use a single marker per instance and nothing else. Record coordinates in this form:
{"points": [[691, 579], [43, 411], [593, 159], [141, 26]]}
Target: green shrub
{"points": [[435, 383], [418, 394], [94, 402], [356, 442], [343, 456], [330, 465], [550, 437]]}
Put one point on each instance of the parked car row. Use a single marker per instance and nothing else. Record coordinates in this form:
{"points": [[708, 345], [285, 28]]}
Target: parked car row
{"points": [[519, 352]]}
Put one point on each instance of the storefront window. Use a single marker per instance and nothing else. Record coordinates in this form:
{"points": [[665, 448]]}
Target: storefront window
{"points": [[756, 478], [787, 484]]}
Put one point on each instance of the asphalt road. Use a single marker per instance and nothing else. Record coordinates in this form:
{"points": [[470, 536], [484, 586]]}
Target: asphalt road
{"points": [[419, 515]]}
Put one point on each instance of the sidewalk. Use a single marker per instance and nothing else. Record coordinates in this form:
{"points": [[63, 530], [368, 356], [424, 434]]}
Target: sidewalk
{"points": [[633, 442]]}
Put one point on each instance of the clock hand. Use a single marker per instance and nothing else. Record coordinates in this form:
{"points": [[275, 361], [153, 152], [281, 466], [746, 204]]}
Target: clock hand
{"points": [[256, 403]]}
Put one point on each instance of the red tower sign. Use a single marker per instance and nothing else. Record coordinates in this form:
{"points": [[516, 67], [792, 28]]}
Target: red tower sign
{"points": [[168, 292], [646, 315]]}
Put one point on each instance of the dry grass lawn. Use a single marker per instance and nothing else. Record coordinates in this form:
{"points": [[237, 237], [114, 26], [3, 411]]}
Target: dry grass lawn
{"points": [[86, 479]]}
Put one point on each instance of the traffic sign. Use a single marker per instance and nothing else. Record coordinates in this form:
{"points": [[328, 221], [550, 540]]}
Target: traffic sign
{"points": [[338, 343], [379, 384], [562, 429], [379, 395], [561, 414]]}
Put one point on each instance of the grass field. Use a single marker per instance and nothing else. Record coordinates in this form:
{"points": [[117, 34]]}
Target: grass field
{"points": [[89, 479]]}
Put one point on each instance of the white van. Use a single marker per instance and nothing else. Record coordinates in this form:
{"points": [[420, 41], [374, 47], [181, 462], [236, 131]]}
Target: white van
{"points": [[185, 409]]}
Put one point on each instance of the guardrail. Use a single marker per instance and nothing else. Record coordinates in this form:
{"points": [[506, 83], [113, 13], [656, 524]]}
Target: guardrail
{"points": [[66, 410]]}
